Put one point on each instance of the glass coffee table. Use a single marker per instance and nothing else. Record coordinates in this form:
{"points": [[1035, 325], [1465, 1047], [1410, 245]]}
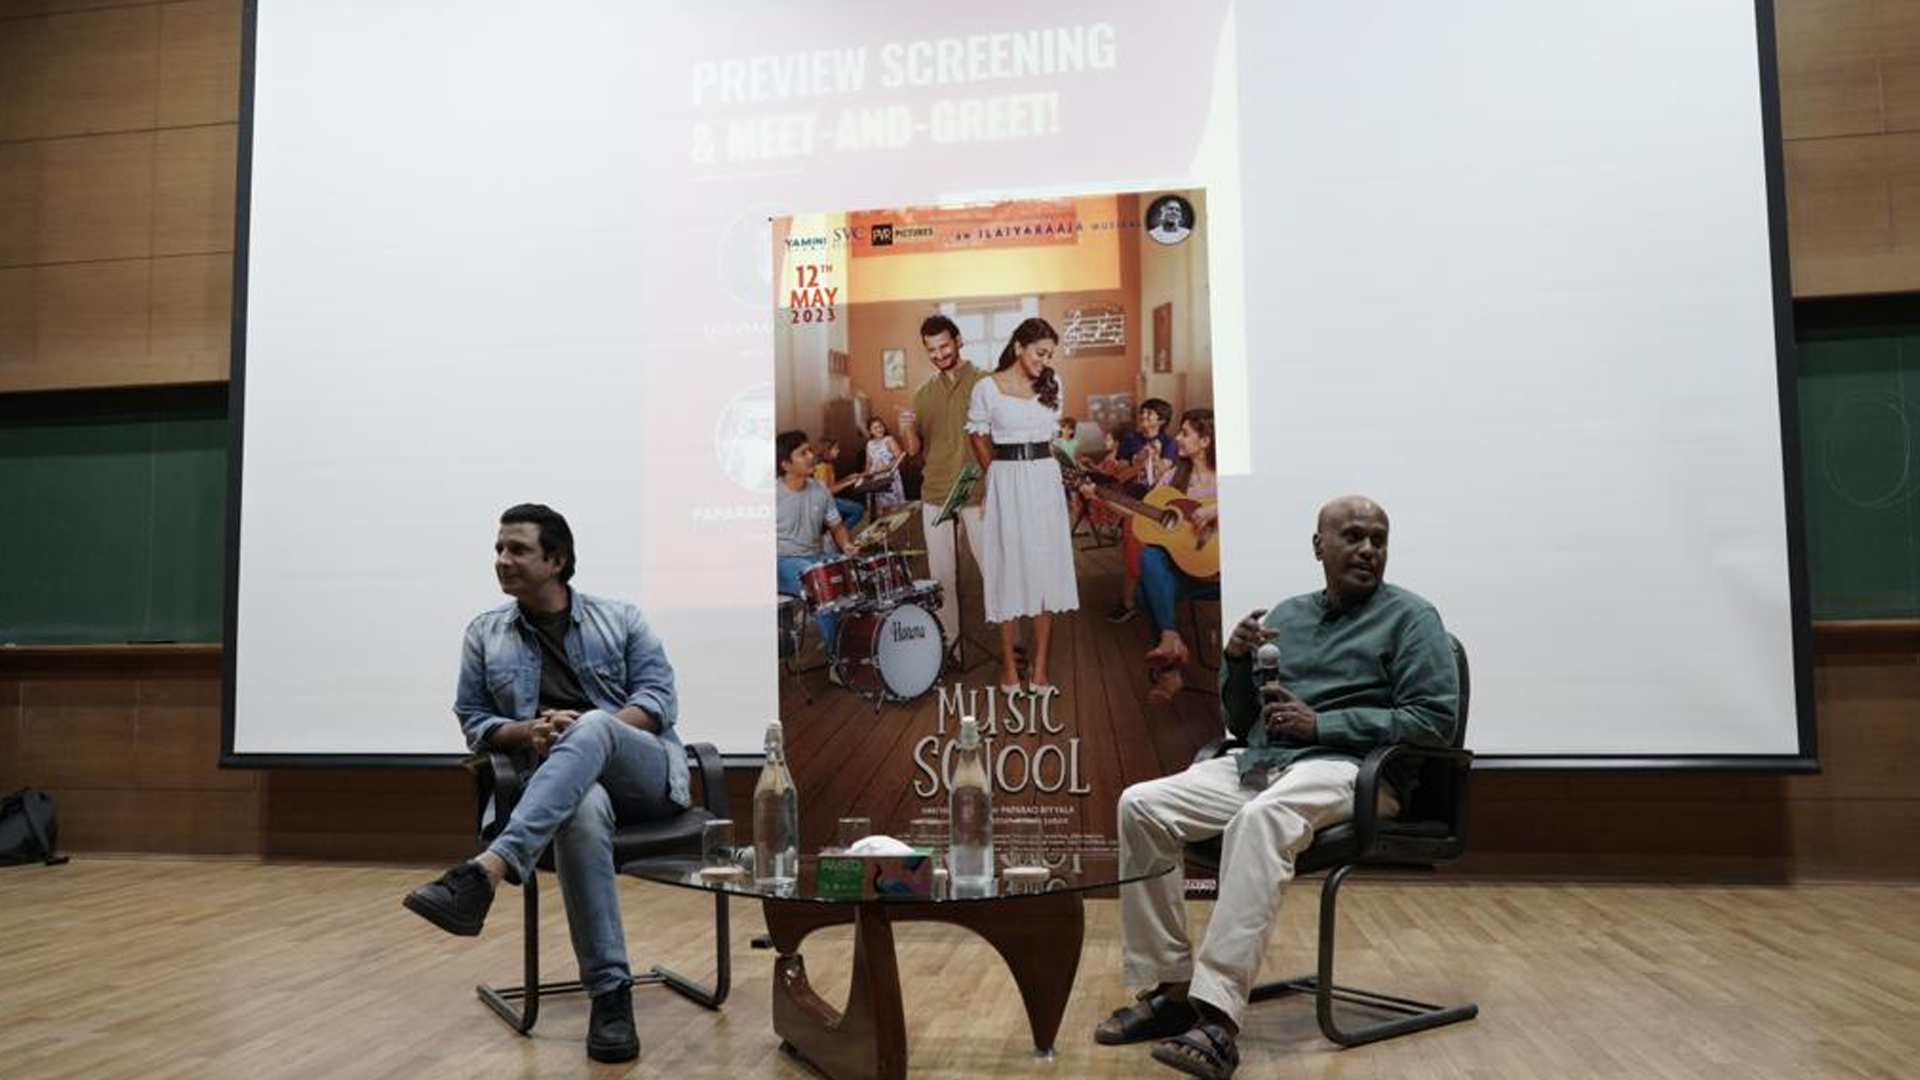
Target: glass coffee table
{"points": [[1037, 926]]}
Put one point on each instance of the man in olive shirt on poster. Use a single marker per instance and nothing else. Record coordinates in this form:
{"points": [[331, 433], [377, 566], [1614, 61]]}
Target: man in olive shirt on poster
{"points": [[1363, 664], [938, 426]]}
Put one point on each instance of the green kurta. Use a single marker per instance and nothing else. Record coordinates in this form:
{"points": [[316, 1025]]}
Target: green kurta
{"points": [[1379, 673]]}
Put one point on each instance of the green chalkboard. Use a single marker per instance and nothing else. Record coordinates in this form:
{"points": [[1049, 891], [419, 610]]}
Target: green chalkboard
{"points": [[112, 516], [1860, 455]]}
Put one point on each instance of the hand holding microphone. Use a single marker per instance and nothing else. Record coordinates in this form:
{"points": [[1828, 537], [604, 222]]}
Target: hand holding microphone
{"points": [[1285, 716]]}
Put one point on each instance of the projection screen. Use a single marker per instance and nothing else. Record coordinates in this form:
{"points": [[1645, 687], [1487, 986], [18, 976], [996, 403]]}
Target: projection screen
{"points": [[1514, 270]]}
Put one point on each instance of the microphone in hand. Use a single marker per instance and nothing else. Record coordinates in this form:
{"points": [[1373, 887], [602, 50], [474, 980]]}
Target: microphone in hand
{"points": [[1266, 665]]}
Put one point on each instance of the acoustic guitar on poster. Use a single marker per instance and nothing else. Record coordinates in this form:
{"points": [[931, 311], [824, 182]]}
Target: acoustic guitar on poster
{"points": [[1162, 518]]}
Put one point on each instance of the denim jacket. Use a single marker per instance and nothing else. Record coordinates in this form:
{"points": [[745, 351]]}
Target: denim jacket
{"points": [[617, 655]]}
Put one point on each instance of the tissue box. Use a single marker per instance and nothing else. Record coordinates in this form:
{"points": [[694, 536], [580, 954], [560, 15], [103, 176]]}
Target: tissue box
{"points": [[852, 877]]}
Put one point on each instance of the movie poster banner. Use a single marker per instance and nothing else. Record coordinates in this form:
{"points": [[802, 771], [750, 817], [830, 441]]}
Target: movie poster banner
{"points": [[996, 498]]}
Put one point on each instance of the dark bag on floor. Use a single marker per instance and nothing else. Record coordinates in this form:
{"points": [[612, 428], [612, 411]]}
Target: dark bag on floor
{"points": [[28, 828]]}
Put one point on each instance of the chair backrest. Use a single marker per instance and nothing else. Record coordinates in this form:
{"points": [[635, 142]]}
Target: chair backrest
{"points": [[1466, 690], [1435, 798]]}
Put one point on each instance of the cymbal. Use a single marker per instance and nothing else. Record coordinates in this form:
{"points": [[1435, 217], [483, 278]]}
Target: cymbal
{"points": [[886, 524]]}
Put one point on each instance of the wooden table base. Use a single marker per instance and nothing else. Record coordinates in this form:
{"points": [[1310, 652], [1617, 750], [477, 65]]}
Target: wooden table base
{"points": [[1039, 937]]}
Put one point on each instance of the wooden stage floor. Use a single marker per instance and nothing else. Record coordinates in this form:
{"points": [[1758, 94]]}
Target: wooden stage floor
{"points": [[151, 969]]}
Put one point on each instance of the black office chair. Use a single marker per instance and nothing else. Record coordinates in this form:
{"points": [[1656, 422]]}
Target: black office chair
{"points": [[498, 781], [1431, 830]]}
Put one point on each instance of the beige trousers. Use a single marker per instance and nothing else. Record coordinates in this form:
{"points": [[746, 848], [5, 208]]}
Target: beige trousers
{"points": [[943, 560], [1261, 831]]}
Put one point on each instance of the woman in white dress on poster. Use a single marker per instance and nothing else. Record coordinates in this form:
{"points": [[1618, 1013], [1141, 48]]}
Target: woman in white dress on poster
{"points": [[1026, 547]]}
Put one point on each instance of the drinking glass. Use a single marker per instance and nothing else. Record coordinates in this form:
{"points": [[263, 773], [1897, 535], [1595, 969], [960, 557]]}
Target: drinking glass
{"points": [[716, 843], [930, 835], [1024, 841], [853, 830]]}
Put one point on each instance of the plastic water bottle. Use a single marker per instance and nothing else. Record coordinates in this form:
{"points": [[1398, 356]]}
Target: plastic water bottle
{"points": [[776, 817], [970, 815]]}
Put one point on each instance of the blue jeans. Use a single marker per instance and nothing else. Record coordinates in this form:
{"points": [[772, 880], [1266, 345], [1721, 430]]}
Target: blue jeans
{"points": [[599, 771], [790, 569], [1162, 585], [851, 511]]}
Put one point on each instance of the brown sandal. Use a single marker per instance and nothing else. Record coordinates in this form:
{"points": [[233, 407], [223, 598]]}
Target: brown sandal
{"points": [[1153, 1015], [1167, 684], [1203, 1050]]}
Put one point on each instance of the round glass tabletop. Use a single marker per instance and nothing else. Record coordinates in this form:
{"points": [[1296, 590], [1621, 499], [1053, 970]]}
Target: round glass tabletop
{"points": [[1064, 873]]}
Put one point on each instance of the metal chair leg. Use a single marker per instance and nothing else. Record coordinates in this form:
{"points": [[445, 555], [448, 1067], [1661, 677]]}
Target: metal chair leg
{"points": [[1412, 1015], [501, 1000], [523, 1016], [723, 965]]}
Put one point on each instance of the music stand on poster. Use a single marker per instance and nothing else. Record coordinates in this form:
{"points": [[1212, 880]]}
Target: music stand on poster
{"points": [[958, 496]]}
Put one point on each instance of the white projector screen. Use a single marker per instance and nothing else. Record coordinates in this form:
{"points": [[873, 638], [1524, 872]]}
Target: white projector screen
{"points": [[1514, 270]]}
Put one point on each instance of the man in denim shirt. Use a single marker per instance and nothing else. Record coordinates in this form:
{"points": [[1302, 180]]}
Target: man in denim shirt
{"points": [[583, 683]]}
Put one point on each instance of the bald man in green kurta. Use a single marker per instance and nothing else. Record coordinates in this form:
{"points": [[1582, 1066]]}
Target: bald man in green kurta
{"points": [[1362, 664]]}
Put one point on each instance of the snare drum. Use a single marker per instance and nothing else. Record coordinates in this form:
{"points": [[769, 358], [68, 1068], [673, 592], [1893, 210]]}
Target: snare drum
{"points": [[885, 578], [927, 593], [831, 585], [893, 654]]}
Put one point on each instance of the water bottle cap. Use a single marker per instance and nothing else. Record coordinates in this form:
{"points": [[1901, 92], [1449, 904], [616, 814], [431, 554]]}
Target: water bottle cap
{"points": [[969, 733]]}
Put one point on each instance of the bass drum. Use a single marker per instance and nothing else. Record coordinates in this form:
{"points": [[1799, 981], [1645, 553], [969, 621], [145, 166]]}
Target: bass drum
{"points": [[892, 654]]}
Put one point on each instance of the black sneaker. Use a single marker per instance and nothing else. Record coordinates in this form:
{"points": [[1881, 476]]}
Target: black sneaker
{"points": [[610, 1033], [1120, 613], [457, 902]]}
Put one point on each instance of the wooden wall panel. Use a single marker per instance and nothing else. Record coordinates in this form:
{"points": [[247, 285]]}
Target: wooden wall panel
{"points": [[192, 296], [1849, 103], [395, 814], [193, 190], [116, 192], [22, 45], [1829, 56], [91, 322], [98, 71], [129, 743], [1897, 34], [179, 736], [20, 185], [9, 732], [96, 198], [19, 324], [79, 731], [199, 63]]}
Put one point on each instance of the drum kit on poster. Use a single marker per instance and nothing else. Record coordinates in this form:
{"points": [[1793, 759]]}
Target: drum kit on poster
{"points": [[888, 644]]}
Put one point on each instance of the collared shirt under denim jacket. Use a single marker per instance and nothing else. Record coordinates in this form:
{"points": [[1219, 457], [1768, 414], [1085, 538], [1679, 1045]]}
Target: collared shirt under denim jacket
{"points": [[618, 656]]}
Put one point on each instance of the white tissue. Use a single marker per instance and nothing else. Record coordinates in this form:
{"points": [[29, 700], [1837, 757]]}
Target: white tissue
{"points": [[880, 845]]}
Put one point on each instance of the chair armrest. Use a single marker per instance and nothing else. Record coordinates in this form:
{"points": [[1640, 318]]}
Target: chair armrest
{"points": [[498, 780], [713, 777], [1366, 786]]}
